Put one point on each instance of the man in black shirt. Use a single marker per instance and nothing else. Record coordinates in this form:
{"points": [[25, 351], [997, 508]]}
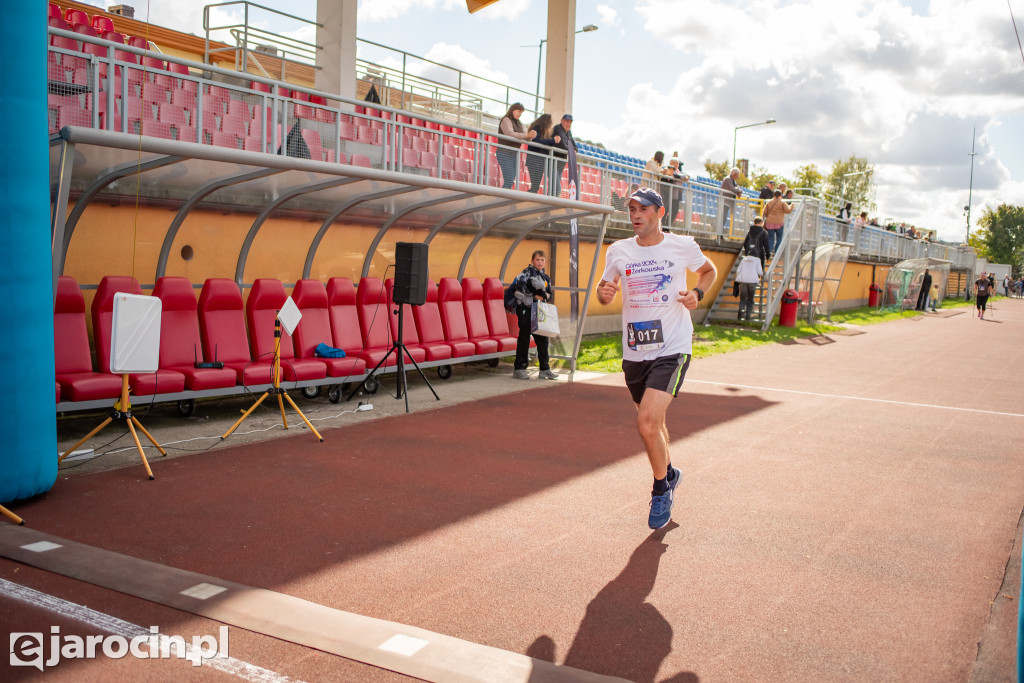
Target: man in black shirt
{"points": [[563, 134], [768, 191]]}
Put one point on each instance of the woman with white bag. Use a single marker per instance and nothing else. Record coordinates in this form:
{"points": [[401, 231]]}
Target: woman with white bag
{"points": [[531, 285]]}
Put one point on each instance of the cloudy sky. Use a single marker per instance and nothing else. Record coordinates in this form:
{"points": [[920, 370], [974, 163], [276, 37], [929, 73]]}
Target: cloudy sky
{"points": [[901, 83]]}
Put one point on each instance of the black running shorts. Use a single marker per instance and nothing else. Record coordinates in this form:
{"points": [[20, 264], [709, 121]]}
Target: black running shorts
{"points": [[665, 373]]}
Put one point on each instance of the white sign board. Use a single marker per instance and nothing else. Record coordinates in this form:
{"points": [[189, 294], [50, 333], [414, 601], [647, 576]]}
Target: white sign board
{"points": [[135, 334]]}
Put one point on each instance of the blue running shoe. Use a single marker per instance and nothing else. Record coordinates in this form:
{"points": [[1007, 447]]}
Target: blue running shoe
{"points": [[673, 482], [661, 510]]}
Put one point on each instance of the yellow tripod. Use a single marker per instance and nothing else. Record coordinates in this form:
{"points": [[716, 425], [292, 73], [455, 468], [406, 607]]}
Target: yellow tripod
{"points": [[282, 395], [122, 411], [11, 516]]}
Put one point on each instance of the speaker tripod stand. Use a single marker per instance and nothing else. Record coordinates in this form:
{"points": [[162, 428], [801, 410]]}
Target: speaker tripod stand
{"points": [[398, 346], [282, 395], [122, 411]]}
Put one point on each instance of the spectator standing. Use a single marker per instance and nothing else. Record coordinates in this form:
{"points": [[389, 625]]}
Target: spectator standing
{"points": [[933, 296], [774, 215], [845, 212], [1006, 284], [756, 242], [674, 179], [748, 275], [768, 191], [539, 148], [655, 168], [507, 150], [563, 133], [982, 290], [926, 288], [657, 334], [533, 284], [730, 192], [862, 220], [788, 196]]}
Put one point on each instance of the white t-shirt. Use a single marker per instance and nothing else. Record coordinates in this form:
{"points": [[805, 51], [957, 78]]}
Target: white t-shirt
{"points": [[654, 323]]}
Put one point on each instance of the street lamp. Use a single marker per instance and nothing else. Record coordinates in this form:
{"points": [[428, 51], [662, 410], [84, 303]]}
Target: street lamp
{"points": [[970, 191], [540, 58], [855, 173], [749, 125]]}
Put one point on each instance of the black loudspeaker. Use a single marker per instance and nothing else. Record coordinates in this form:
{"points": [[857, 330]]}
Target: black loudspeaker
{"points": [[410, 273]]}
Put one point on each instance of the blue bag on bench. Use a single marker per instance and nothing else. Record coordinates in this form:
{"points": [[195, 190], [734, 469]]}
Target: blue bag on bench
{"points": [[325, 351]]}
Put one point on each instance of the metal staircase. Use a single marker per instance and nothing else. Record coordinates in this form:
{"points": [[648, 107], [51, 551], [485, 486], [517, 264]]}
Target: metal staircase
{"points": [[726, 307], [778, 273]]}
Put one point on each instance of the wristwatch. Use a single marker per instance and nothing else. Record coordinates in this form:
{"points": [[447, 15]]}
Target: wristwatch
{"points": [[700, 294]]}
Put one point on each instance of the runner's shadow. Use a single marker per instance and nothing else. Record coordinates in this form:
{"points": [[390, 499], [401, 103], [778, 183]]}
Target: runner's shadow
{"points": [[621, 634]]}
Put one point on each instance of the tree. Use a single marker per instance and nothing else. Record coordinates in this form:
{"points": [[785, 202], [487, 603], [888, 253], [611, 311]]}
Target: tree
{"points": [[759, 177], [717, 170], [976, 240], [853, 180], [1002, 234], [808, 177]]}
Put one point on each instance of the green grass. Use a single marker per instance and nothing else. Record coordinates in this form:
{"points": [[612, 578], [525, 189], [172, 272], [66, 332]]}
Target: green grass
{"points": [[604, 353]]}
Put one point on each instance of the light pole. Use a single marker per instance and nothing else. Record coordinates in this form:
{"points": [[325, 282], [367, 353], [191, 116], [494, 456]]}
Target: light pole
{"points": [[855, 173], [540, 58], [749, 125], [970, 190]]}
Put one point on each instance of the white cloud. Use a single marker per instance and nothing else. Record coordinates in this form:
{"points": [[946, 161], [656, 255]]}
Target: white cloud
{"points": [[386, 10], [609, 17]]}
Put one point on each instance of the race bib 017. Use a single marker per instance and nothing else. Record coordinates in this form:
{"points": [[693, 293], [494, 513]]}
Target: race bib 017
{"points": [[645, 335]]}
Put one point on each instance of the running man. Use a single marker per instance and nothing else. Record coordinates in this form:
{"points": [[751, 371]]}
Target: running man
{"points": [[657, 334], [982, 290]]}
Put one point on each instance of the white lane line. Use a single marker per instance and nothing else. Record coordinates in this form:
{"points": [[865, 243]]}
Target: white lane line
{"points": [[128, 630], [855, 398]]}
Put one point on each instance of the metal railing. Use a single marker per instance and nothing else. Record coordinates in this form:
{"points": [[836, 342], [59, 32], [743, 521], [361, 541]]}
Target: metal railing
{"points": [[215, 106]]}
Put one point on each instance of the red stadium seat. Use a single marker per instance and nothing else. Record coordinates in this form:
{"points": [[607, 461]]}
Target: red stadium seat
{"points": [[236, 124], [240, 109], [222, 330], [72, 358], [344, 315], [428, 320], [497, 318], [315, 328], [453, 319], [156, 129], [409, 335], [102, 23], [55, 11], [142, 384], [73, 116], [229, 140], [180, 346], [457, 323], [266, 298], [76, 16], [435, 350], [372, 304], [316, 150], [477, 319]]}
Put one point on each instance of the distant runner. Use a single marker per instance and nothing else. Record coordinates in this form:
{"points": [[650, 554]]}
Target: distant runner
{"points": [[982, 290], [657, 335]]}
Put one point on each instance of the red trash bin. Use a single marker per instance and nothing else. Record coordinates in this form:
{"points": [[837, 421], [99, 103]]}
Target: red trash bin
{"points": [[787, 311], [873, 291]]}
